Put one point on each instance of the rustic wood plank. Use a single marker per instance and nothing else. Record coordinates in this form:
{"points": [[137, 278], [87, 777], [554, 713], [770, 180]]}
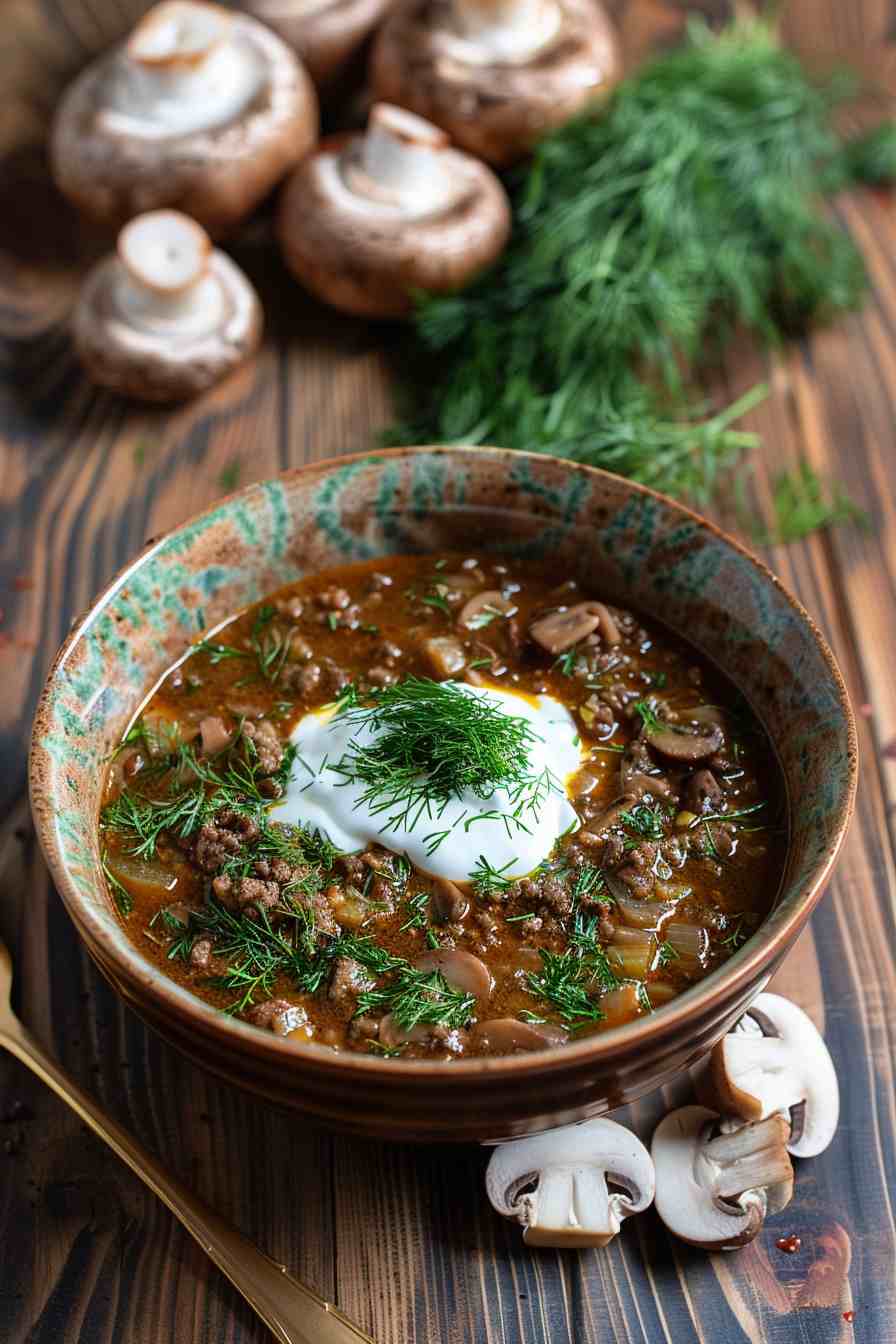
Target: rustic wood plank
{"points": [[402, 1237]]}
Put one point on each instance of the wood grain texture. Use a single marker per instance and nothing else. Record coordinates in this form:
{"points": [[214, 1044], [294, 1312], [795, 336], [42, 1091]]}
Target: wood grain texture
{"points": [[402, 1238]]}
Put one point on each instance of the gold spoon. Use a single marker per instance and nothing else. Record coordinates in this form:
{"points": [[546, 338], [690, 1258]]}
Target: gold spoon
{"points": [[293, 1312]]}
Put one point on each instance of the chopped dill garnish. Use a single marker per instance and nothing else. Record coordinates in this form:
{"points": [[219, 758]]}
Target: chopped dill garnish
{"points": [[648, 715], [122, 897], [419, 998], [434, 741], [590, 882], [485, 617], [489, 881], [436, 597], [737, 815], [666, 953], [566, 662], [643, 997], [418, 905], [646, 821], [560, 983]]}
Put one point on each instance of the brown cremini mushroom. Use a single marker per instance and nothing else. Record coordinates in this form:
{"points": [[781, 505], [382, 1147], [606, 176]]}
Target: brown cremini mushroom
{"points": [[511, 1036], [497, 75], [714, 1188], [556, 1184], [776, 1061], [365, 220], [483, 608], [201, 109], [559, 630], [325, 33], [167, 316]]}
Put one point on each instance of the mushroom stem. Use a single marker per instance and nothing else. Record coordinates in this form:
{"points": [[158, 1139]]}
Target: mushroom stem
{"points": [[511, 30], [165, 279], [753, 1157], [402, 161], [182, 71]]}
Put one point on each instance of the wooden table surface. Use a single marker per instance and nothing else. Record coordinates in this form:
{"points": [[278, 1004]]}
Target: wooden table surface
{"points": [[402, 1238]]}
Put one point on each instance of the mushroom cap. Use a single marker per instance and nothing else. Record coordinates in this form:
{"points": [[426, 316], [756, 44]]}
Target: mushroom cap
{"points": [[715, 1192], [215, 174], [368, 256], [461, 969], [325, 34], [777, 1061], [138, 332], [492, 108], [569, 1168], [511, 1036]]}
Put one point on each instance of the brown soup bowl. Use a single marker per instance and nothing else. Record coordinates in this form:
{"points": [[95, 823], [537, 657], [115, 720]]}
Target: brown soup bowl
{"points": [[619, 539]]}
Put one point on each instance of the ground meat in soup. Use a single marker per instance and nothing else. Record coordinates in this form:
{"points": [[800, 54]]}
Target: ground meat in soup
{"points": [[673, 859]]}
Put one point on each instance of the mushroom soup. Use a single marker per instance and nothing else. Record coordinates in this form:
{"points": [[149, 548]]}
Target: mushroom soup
{"points": [[433, 807]]}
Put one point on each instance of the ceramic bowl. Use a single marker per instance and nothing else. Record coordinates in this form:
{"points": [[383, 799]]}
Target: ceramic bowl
{"points": [[623, 541]]}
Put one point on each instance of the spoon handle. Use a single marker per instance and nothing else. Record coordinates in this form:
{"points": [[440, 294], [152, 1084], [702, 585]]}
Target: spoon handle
{"points": [[294, 1313]]}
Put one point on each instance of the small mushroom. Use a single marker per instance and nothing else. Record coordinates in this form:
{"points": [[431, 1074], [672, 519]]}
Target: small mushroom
{"points": [[447, 902], [169, 315], [774, 1061], [365, 220], [325, 33], [715, 1189], [559, 630], [202, 109], [511, 1036], [688, 744], [214, 734], [556, 1184], [460, 969], [495, 74], [483, 608]]}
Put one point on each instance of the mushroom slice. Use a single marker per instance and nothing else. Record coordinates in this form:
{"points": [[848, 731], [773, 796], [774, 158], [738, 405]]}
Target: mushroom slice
{"points": [[325, 33], [483, 608], [202, 108], [495, 74], [569, 1171], [511, 1036], [776, 1061], [559, 630], [365, 220], [460, 969], [715, 1189], [686, 745], [447, 902], [169, 315]]}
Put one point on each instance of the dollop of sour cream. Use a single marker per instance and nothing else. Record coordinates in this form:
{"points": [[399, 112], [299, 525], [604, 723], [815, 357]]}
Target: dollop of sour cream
{"points": [[474, 826]]}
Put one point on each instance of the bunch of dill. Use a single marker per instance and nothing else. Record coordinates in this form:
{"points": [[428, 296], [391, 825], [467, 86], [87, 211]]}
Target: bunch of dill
{"points": [[644, 234]]}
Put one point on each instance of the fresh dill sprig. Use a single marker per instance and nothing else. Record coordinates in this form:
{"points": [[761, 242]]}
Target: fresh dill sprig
{"points": [[645, 234], [489, 881], [433, 742], [590, 882], [666, 953], [561, 983], [646, 821], [648, 715], [419, 998], [802, 504]]}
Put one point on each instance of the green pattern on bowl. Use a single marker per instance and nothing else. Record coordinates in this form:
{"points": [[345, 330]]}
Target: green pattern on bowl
{"points": [[621, 540]]}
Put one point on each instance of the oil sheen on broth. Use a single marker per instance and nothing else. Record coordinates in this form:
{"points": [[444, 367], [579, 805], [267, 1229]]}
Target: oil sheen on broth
{"points": [[441, 806]]}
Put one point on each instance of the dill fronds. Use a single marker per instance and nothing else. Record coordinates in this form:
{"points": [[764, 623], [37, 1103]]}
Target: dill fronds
{"points": [[646, 233]]}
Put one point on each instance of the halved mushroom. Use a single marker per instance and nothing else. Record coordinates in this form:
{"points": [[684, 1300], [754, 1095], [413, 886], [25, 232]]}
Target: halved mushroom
{"points": [[688, 743], [460, 969], [775, 1061], [448, 904], [556, 1184], [559, 630], [510, 1035], [169, 315], [365, 220], [495, 74], [715, 1189], [325, 33], [483, 608], [202, 108]]}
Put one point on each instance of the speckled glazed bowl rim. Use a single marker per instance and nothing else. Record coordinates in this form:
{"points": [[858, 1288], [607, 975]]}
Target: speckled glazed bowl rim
{"points": [[142, 978]]}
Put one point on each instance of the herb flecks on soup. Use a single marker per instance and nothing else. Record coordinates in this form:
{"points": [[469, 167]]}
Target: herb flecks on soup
{"points": [[433, 807]]}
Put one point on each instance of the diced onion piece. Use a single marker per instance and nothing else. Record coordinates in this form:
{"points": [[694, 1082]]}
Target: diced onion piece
{"points": [[641, 914], [620, 1005], [689, 940], [631, 962], [141, 877]]}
